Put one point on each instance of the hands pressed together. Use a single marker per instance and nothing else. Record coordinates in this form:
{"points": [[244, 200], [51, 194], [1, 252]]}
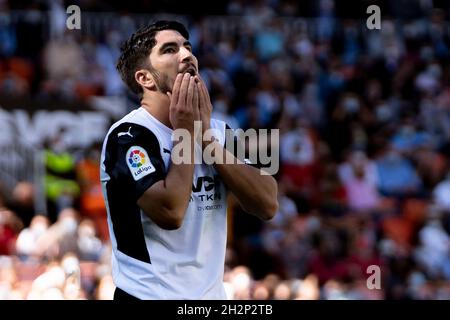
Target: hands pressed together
{"points": [[189, 102]]}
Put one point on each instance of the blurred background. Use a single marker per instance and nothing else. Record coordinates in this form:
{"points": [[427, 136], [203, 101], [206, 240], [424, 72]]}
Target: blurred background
{"points": [[364, 119]]}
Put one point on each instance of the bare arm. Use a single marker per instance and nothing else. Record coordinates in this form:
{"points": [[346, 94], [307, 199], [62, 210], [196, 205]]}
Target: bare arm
{"points": [[256, 193], [166, 201]]}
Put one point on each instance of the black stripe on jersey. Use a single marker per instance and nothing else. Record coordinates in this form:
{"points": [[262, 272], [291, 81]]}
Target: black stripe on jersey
{"points": [[123, 191], [235, 144]]}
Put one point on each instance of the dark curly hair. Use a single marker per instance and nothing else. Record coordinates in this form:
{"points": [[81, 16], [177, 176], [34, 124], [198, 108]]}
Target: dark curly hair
{"points": [[136, 49]]}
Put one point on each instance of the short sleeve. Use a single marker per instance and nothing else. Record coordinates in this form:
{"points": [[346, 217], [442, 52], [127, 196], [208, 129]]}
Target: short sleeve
{"points": [[133, 159], [232, 144]]}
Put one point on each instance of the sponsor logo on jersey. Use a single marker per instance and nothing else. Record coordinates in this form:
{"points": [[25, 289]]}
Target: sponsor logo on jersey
{"points": [[139, 162], [206, 183]]}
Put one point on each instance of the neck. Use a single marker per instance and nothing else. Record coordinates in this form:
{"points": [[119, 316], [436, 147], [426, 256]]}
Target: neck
{"points": [[157, 104]]}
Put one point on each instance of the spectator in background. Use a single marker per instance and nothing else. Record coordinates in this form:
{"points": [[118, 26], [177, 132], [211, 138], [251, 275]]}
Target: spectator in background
{"points": [[307, 289], [287, 211], [61, 188], [61, 237], [441, 194], [269, 41], [328, 259], [359, 176], [105, 289], [90, 247], [60, 281], [106, 54], [282, 291], [433, 252], [28, 239], [397, 176], [240, 279], [10, 226], [91, 201], [357, 160], [8, 278], [361, 196], [57, 14], [298, 156], [332, 193], [8, 39], [64, 65], [408, 138], [22, 201]]}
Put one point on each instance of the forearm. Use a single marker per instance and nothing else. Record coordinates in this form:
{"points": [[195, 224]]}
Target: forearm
{"points": [[166, 201], [178, 187], [256, 193]]}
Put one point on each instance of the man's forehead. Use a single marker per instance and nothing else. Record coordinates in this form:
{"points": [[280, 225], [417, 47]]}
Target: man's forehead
{"points": [[169, 36]]}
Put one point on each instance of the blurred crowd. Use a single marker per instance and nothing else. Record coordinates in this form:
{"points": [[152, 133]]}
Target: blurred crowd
{"points": [[364, 120]]}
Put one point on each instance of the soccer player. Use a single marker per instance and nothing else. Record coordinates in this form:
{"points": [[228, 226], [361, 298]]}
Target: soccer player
{"points": [[167, 220]]}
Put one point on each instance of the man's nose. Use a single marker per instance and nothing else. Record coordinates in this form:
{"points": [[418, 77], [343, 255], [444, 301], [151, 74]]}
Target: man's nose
{"points": [[186, 55]]}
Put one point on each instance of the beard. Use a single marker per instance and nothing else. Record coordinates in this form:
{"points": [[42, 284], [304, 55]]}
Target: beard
{"points": [[161, 81]]}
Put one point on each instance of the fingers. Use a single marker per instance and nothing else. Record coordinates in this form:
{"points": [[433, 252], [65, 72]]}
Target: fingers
{"points": [[201, 99], [183, 108], [195, 101], [182, 98], [176, 89], [190, 92]]}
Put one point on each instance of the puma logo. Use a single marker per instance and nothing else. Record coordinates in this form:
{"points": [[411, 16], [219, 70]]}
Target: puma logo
{"points": [[125, 133]]}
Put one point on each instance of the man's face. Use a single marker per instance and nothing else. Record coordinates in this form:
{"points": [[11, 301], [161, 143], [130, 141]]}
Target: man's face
{"points": [[171, 55]]}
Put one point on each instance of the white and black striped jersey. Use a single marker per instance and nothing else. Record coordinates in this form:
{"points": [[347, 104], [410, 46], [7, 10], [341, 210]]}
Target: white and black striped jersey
{"points": [[149, 262]]}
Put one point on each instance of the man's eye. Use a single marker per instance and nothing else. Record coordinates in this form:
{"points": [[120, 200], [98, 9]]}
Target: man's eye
{"points": [[169, 50]]}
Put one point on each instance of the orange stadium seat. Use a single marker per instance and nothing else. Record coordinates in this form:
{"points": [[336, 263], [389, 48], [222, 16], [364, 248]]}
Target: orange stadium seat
{"points": [[398, 229], [415, 210], [22, 68]]}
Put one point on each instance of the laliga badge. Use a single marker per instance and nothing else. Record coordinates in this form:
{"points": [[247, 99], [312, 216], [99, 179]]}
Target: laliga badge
{"points": [[139, 162]]}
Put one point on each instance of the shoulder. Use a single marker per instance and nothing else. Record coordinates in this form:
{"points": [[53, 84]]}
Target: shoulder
{"points": [[128, 136], [124, 132], [129, 146], [133, 126]]}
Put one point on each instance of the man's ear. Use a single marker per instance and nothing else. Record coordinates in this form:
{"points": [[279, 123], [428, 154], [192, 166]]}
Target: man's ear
{"points": [[145, 79]]}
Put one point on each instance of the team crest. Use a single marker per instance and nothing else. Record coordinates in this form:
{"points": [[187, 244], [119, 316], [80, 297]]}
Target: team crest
{"points": [[139, 163]]}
